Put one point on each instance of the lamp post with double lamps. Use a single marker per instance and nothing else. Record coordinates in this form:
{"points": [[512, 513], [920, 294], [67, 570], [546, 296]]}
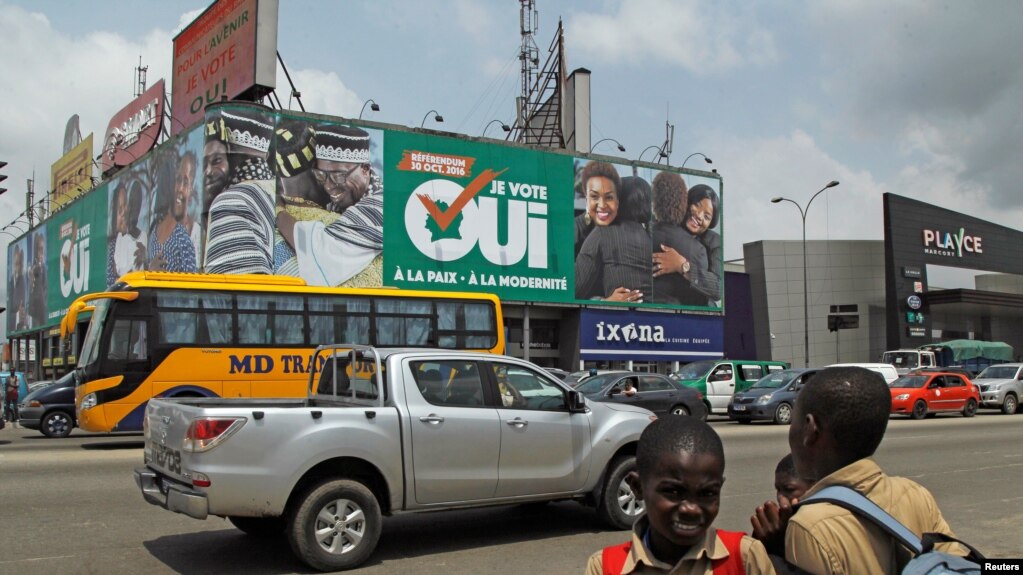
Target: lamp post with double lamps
{"points": [[806, 304]]}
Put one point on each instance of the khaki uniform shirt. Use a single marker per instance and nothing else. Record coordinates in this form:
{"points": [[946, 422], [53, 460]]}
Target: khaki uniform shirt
{"points": [[823, 539], [696, 561]]}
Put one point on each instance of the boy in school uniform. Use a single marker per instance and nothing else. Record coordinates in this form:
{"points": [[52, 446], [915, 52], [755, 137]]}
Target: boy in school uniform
{"points": [[680, 465], [789, 485]]}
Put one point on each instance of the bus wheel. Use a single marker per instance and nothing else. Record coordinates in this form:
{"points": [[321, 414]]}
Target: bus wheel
{"points": [[259, 526], [335, 525]]}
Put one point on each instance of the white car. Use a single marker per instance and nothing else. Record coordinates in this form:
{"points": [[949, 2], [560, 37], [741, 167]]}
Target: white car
{"points": [[887, 370], [1001, 386]]}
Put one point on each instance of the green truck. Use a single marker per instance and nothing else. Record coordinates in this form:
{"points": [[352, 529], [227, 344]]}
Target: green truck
{"points": [[971, 354]]}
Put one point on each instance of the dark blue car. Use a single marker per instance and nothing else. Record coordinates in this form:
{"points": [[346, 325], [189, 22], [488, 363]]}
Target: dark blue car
{"points": [[770, 398], [50, 409]]}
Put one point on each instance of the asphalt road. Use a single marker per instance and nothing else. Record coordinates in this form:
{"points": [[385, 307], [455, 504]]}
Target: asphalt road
{"points": [[70, 506]]}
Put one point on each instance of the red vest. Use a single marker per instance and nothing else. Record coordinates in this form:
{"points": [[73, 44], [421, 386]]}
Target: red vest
{"points": [[613, 557]]}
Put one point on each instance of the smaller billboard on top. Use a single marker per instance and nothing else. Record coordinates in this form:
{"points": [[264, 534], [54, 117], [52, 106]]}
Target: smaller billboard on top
{"points": [[229, 49], [133, 131], [71, 175]]}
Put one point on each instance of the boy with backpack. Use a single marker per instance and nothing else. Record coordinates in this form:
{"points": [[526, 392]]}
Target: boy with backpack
{"points": [[837, 425], [680, 466]]}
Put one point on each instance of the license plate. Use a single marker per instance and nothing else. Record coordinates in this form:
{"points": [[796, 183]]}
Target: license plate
{"points": [[737, 407], [165, 457]]}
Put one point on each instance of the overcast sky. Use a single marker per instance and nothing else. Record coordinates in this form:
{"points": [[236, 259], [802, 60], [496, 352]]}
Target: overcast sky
{"points": [[916, 98]]}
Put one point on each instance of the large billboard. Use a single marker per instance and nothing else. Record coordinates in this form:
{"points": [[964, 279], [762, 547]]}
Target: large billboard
{"points": [[148, 217], [71, 175], [133, 131], [304, 196], [253, 190], [229, 49]]}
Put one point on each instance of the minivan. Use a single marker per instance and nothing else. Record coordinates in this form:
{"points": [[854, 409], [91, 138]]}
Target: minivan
{"points": [[719, 379]]}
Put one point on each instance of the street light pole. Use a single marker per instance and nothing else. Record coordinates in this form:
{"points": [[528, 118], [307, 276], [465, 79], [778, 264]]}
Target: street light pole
{"points": [[806, 302], [705, 158]]}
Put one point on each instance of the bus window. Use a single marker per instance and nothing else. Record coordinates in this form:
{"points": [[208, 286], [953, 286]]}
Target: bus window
{"points": [[177, 327], [288, 327], [216, 318], [128, 341], [403, 321]]}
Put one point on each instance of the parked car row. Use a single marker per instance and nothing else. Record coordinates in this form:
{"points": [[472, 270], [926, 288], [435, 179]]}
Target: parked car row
{"points": [[50, 406], [920, 393]]}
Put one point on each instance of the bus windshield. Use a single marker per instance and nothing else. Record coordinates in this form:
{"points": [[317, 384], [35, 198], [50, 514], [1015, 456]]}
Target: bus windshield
{"points": [[90, 345]]}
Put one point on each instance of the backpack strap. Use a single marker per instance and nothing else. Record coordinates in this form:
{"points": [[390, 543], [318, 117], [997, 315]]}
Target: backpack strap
{"points": [[929, 540], [731, 565], [851, 500], [613, 558]]}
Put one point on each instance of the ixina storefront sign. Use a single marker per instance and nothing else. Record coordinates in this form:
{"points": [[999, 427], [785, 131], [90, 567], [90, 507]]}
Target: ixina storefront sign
{"points": [[477, 217]]}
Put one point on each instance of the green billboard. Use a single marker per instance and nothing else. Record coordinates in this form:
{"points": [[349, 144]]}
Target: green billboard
{"points": [[476, 216], [304, 195]]}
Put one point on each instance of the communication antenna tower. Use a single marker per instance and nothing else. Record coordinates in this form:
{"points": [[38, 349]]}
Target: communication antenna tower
{"points": [[538, 111], [529, 54], [140, 78]]}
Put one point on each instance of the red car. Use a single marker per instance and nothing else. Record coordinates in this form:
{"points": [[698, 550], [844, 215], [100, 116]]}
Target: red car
{"points": [[926, 393]]}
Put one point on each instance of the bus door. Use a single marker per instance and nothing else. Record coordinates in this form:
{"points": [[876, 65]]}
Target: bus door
{"points": [[127, 355]]}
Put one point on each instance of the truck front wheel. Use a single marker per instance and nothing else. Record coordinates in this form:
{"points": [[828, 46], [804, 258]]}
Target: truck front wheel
{"points": [[619, 507], [335, 525], [1010, 404]]}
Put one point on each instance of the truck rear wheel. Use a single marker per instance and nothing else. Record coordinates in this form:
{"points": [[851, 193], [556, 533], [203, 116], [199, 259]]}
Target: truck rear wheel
{"points": [[335, 525], [619, 507]]}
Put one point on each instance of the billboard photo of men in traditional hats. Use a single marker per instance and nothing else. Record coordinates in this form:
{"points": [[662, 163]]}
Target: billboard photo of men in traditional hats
{"points": [[341, 242], [240, 233], [216, 167]]}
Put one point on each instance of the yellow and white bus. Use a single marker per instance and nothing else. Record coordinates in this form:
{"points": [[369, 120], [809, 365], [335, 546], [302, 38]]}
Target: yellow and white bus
{"points": [[161, 334]]}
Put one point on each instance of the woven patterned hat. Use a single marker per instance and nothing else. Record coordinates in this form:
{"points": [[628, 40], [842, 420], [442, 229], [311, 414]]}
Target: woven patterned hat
{"points": [[296, 144], [342, 144], [246, 129]]}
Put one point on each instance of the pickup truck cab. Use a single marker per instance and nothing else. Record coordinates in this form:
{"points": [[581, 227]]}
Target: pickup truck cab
{"points": [[1001, 386], [386, 431]]}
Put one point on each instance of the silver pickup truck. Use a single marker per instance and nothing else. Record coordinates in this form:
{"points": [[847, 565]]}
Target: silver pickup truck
{"points": [[386, 431]]}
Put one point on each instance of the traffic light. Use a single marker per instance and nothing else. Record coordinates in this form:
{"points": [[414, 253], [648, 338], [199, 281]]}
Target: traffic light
{"points": [[3, 176]]}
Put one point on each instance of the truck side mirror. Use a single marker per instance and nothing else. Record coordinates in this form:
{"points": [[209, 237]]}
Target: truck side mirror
{"points": [[576, 402]]}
